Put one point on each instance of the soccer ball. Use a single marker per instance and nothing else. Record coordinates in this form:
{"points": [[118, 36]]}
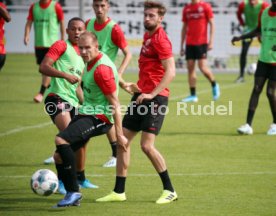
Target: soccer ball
{"points": [[251, 68], [44, 182]]}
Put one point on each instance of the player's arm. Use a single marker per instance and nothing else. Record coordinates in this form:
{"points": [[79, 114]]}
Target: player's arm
{"points": [[5, 14], [62, 30], [183, 38], [125, 61], [115, 104], [169, 67], [255, 33], [28, 28], [211, 32], [79, 93], [240, 13], [46, 68]]}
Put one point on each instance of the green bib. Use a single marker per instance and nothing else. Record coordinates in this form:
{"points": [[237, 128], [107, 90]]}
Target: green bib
{"points": [[95, 101], [267, 54], [71, 63], [251, 15], [104, 38], [46, 25]]}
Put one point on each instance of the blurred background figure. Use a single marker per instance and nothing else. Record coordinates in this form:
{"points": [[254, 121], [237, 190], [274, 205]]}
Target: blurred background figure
{"points": [[47, 16], [247, 15], [4, 17]]}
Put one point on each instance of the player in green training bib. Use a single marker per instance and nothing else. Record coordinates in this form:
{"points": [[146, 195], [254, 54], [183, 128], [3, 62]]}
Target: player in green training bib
{"points": [[247, 14], [266, 68], [111, 38], [65, 65], [99, 111], [48, 19]]}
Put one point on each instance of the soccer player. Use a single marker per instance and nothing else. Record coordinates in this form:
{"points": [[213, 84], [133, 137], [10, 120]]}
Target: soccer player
{"points": [[4, 17], [250, 9], [48, 17], [100, 109], [196, 17], [266, 67], [111, 38], [64, 64], [146, 111]]}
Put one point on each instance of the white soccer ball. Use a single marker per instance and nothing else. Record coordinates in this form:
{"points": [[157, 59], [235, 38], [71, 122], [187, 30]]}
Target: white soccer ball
{"points": [[251, 68], [44, 182]]}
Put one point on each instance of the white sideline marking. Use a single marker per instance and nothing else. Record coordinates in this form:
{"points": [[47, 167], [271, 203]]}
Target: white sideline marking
{"points": [[171, 174], [20, 129]]}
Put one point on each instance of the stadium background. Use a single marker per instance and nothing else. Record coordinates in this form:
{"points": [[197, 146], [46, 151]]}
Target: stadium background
{"points": [[129, 14]]}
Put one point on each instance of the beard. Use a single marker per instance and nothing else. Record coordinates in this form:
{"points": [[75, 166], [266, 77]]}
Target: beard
{"points": [[150, 27]]}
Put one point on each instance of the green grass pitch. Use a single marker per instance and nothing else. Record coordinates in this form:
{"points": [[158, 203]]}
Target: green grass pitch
{"points": [[214, 170]]}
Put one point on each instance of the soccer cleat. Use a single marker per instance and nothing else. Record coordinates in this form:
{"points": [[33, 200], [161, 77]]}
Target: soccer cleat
{"points": [[113, 197], [216, 92], [245, 129], [87, 184], [191, 98], [111, 162], [240, 80], [49, 160], [38, 98], [70, 199], [167, 197], [61, 188], [272, 130]]}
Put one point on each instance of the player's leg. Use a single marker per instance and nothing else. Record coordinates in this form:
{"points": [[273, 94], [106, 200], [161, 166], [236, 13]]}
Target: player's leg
{"points": [[111, 135], [243, 59], [192, 81], [259, 82], [80, 163], [123, 160], [271, 95], [2, 60], [157, 160], [40, 53], [201, 55]]}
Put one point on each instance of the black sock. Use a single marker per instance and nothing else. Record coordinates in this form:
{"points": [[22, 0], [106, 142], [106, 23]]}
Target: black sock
{"points": [[274, 117], [59, 168], [81, 175], [120, 184], [114, 148], [68, 173], [250, 115], [213, 83], [167, 185], [193, 91], [42, 89]]}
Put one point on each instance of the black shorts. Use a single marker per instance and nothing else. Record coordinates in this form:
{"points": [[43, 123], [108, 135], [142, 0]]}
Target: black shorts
{"points": [[196, 52], [55, 105], [40, 54], [82, 128], [148, 116], [266, 70], [2, 60]]}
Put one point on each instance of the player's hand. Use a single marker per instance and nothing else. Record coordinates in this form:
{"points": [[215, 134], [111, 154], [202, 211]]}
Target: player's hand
{"points": [[142, 97], [130, 87], [235, 39], [122, 141], [182, 52], [71, 78], [26, 40], [210, 46]]}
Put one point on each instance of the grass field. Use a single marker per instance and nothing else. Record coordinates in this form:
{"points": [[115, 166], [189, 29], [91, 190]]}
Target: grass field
{"points": [[215, 171]]}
